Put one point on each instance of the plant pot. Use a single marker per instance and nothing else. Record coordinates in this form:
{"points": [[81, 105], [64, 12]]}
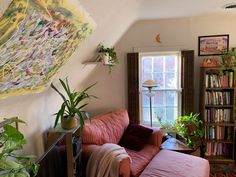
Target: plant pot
{"points": [[69, 123], [191, 128], [106, 58]]}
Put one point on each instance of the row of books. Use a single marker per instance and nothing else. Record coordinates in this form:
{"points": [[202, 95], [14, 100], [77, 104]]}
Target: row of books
{"points": [[218, 133], [217, 81], [213, 149], [217, 115], [217, 98]]}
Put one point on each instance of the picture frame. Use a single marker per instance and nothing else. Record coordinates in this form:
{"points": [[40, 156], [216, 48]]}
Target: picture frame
{"points": [[213, 45]]}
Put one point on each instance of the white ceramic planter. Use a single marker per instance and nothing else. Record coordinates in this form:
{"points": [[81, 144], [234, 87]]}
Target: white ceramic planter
{"points": [[105, 58]]}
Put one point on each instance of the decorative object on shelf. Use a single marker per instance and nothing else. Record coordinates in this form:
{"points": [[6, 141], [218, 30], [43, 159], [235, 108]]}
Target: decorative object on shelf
{"points": [[11, 140], [191, 128], [71, 110], [213, 45], [44, 35], [108, 56], [210, 62], [150, 84]]}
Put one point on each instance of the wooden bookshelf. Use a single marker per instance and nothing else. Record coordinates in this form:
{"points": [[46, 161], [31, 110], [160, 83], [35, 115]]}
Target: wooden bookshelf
{"points": [[217, 111]]}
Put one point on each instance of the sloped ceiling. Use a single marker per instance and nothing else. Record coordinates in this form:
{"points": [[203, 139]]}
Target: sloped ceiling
{"points": [[156, 9], [123, 13]]}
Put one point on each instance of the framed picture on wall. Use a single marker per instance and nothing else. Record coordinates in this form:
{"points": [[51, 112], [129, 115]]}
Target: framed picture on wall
{"points": [[213, 45]]}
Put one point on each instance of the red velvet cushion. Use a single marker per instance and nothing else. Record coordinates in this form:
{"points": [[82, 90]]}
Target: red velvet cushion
{"points": [[135, 137]]}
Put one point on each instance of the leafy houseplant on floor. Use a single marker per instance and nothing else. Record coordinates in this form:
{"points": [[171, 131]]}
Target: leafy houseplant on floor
{"points": [[191, 128], [108, 55], [14, 164], [71, 109]]}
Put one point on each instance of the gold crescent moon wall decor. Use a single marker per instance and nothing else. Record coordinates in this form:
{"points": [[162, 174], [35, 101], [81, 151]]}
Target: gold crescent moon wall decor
{"points": [[158, 38]]}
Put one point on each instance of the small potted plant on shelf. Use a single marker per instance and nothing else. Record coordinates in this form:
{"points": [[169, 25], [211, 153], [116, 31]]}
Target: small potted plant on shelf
{"points": [[228, 60], [13, 164], [191, 128], [108, 55], [71, 110]]}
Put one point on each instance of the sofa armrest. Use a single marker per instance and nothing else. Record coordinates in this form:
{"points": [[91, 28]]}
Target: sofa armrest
{"points": [[156, 137], [124, 167]]}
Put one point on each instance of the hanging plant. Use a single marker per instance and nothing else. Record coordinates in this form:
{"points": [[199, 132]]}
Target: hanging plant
{"points": [[108, 56]]}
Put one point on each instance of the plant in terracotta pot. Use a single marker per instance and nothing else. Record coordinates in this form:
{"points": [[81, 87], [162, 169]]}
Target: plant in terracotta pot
{"points": [[191, 128], [72, 108], [108, 56]]}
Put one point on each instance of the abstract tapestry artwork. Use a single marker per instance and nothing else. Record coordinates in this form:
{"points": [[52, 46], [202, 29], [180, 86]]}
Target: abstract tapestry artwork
{"points": [[36, 38]]}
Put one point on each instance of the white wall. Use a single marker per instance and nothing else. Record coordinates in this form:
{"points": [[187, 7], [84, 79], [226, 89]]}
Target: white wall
{"points": [[176, 34], [37, 109]]}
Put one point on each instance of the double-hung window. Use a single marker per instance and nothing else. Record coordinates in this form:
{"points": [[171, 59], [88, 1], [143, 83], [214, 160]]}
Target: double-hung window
{"points": [[165, 69]]}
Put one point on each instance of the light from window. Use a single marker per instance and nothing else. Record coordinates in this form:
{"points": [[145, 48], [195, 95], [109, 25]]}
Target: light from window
{"points": [[164, 68]]}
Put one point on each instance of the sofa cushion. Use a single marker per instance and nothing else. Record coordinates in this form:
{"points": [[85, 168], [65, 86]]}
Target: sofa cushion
{"points": [[106, 128], [169, 163], [135, 137], [140, 159]]}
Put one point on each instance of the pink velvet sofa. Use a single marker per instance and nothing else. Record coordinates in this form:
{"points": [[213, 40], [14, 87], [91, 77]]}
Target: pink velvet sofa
{"points": [[149, 161]]}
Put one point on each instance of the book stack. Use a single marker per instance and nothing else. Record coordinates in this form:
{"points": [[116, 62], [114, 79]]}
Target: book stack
{"points": [[218, 81], [217, 115], [217, 98], [219, 133], [217, 149]]}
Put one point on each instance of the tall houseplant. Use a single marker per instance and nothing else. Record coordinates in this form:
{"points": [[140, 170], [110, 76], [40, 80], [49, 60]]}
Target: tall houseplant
{"points": [[108, 55], [191, 128], [71, 108], [14, 164]]}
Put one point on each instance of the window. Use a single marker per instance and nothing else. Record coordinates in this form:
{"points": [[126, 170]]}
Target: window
{"points": [[164, 68]]}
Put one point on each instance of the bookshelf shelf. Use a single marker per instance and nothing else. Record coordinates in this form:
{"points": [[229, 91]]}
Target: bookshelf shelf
{"points": [[219, 124], [219, 141], [219, 159], [216, 89], [217, 111], [219, 106]]}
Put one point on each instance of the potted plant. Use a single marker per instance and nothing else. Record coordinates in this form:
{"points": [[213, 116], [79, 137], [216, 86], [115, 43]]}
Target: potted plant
{"points": [[228, 60], [108, 55], [191, 128], [14, 164], [71, 109], [165, 125]]}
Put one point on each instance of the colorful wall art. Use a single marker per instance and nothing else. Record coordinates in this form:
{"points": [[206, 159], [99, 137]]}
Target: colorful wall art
{"points": [[36, 38]]}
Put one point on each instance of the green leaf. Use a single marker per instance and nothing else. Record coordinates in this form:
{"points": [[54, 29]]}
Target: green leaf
{"points": [[10, 121], [12, 139], [6, 164], [63, 97], [60, 114]]}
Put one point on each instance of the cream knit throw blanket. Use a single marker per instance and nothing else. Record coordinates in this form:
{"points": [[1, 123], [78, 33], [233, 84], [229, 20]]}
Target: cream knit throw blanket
{"points": [[105, 161]]}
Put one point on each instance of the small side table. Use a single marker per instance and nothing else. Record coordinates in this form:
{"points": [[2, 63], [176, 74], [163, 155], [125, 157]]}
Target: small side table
{"points": [[54, 133], [175, 145]]}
